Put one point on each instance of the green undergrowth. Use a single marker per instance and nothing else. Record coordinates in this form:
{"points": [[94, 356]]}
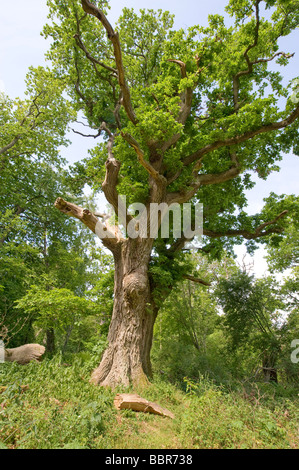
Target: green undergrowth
{"points": [[52, 405]]}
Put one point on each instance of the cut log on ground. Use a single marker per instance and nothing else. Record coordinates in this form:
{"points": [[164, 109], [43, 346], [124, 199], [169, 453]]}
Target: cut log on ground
{"points": [[25, 354], [127, 401]]}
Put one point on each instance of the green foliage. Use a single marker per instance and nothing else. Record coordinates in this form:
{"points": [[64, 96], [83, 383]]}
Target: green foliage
{"points": [[283, 250], [45, 111], [217, 59], [213, 55], [187, 336], [251, 310], [55, 308], [38, 246]]}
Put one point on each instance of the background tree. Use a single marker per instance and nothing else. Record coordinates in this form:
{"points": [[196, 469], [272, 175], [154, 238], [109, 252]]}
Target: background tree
{"points": [[37, 247], [283, 259], [32, 133], [185, 116], [252, 318], [32, 130]]}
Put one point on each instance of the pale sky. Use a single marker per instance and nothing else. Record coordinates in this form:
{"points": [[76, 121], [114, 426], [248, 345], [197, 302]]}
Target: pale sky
{"points": [[22, 46]]}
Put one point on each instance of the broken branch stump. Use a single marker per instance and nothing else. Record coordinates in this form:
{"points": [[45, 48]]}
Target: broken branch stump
{"points": [[127, 401]]}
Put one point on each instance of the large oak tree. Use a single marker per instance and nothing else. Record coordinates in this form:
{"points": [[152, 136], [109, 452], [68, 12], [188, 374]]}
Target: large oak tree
{"points": [[180, 116]]}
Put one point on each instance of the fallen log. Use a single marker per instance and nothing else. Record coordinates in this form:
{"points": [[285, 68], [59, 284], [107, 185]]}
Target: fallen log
{"points": [[127, 401], [24, 354]]}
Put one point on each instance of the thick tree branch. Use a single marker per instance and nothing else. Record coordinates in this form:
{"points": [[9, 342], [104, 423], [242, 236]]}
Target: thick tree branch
{"points": [[178, 245], [236, 78], [113, 36], [217, 178], [185, 107], [111, 178], [111, 239], [11, 144], [205, 179]]}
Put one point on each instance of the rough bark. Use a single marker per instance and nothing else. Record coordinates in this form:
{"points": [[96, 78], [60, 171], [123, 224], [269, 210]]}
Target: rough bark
{"points": [[127, 359], [25, 354]]}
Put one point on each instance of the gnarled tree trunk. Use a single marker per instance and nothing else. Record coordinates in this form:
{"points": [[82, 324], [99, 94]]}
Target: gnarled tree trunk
{"points": [[127, 358]]}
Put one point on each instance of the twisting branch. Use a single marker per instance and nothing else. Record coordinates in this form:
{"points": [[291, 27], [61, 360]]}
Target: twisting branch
{"points": [[140, 155], [239, 139], [95, 136], [205, 179], [92, 59], [272, 222], [185, 107], [236, 78], [259, 232], [113, 36], [186, 96], [89, 103], [111, 178], [178, 245], [236, 82], [116, 111]]}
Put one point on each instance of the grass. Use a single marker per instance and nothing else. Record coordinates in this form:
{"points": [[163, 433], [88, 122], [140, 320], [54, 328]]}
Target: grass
{"points": [[52, 405]]}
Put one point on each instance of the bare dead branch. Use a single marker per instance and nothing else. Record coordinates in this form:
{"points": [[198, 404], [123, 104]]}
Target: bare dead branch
{"points": [[111, 178], [94, 136], [111, 241]]}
